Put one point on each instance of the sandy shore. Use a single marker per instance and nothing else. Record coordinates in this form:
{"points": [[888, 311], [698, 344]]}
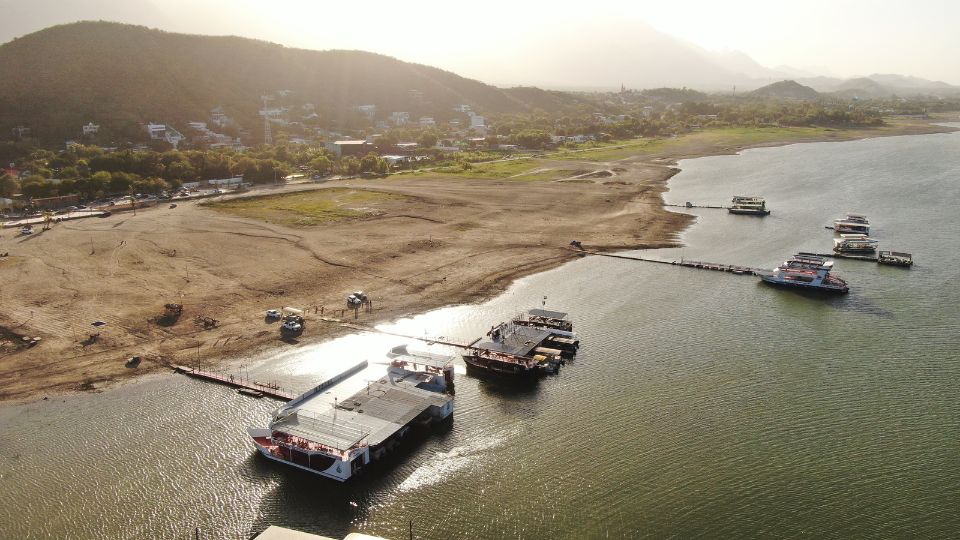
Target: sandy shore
{"points": [[413, 243]]}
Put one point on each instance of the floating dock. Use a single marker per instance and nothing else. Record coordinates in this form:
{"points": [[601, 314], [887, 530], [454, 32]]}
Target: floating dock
{"points": [[691, 205], [701, 265]]}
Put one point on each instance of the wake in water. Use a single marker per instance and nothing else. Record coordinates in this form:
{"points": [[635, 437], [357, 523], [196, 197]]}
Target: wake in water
{"points": [[444, 464]]}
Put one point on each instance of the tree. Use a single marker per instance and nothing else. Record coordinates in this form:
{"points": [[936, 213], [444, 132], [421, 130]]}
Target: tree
{"points": [[67, 186], [321, 164], [350, 165], [427, 139], [369, 163], [98, 183], [36, 186], [120, 182], [531, 138], [9, 185]]}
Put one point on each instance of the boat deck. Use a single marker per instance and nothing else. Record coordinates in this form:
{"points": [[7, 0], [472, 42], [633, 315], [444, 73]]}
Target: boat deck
{"points": [[517, 340], [379, 409]]}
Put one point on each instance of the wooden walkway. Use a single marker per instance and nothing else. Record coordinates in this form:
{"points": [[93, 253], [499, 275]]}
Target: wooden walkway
{"points": [[698, 206], [701, 265], [441, 340], [268, 390]]}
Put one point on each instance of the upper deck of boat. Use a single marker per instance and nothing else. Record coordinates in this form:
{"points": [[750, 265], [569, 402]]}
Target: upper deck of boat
{"points": [[380, 407], [546, 313], [517, 340]]}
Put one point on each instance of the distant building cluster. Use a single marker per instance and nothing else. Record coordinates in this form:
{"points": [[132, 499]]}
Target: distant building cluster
{"points": [[164, 132]]}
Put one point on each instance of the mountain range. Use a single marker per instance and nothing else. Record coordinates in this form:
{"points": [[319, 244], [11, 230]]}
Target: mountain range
{"points": [[121, 76]]}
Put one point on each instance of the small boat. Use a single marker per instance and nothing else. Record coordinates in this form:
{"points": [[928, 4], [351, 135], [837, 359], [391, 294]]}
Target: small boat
{"points": [[895, 258], [852, 224], [807, 272], [749, 206], [250, 392], [854, 243]]}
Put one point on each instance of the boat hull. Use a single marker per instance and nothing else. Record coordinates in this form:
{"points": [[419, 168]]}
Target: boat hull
{"points": [[484, 367], [840, 229], [819, 289], [855, 251], [747, 212], [260, 435]]}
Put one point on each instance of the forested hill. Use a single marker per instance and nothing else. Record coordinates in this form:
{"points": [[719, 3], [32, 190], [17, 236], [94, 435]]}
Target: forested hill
{"points": [[787, 90], [116, 75]]}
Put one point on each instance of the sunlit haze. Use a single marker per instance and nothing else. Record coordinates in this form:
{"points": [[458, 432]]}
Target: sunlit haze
{"points": [[505, 42]]}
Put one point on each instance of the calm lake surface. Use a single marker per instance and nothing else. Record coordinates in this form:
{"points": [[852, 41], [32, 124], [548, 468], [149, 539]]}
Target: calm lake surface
{"points": [[702, 404]]}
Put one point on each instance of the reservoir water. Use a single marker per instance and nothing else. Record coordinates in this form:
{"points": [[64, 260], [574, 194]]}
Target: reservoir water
{"points": [[703, 404]]}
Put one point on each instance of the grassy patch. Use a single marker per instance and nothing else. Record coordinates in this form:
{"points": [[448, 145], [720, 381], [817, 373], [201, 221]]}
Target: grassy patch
{"points": [[307, 208], [492, 170], [466, 226], [732, 137]]}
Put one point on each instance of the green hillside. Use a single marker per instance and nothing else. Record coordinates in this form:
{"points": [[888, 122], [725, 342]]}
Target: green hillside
{"points": [[116, 75], [790, 90]]}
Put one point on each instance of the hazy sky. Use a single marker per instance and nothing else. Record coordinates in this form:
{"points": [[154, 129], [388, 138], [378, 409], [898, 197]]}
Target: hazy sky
{"points": [[487, 40]]}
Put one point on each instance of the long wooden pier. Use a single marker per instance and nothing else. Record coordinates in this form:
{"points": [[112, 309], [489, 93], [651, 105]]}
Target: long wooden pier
{"points": [[701, 265], [426, 339], [268, 390], [720, 207]]}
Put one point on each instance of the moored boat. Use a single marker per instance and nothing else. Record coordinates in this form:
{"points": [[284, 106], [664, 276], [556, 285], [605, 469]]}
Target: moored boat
{"points": [[338, 436], [559, 325], [852, 224], [520, 351], [806, 272], [854, 243], [748, 206], [895, 258]]}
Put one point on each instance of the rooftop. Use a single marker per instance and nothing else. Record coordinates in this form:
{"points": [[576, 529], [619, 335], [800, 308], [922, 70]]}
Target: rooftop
{"points": [[373, 412], [547, 313], [516, 340], [351, 142]]}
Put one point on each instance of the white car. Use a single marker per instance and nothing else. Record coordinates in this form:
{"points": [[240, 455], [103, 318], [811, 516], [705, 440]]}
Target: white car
{"points": [[273, 314], [292, 326]]}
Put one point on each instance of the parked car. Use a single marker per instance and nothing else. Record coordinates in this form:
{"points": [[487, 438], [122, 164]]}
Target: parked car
{"points": [[273, 314], [292, 327]]}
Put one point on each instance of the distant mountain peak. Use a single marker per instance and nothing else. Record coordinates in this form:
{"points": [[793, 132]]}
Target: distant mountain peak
{"points": [[787, 89]]}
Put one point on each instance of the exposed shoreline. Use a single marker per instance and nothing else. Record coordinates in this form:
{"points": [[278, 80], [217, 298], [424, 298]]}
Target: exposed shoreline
{"points": [[434, 242]]}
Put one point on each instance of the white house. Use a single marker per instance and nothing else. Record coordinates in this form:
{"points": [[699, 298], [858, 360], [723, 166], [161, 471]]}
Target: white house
{"points": [[427, 121], [165, 133], [367, 110], [477, 121], [90, 128], [399, 118], [218, 117]]}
